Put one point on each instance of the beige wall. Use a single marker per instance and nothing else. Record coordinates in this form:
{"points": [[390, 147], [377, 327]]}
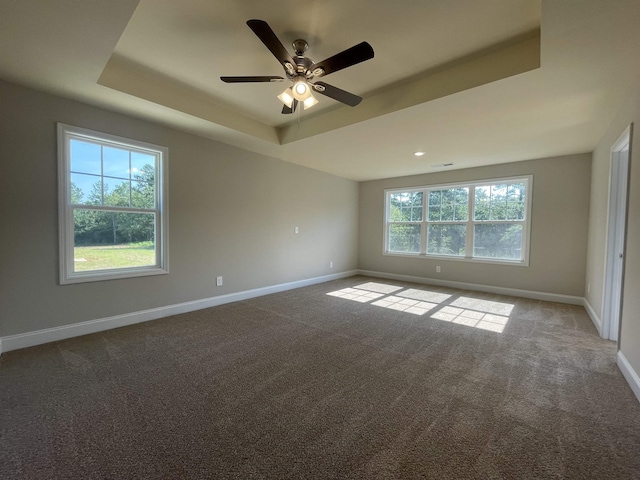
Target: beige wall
{"points": [[630, 323], [231, 213], [558, 229]]}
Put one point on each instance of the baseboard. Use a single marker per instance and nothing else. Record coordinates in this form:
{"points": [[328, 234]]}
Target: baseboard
{"points": [[39, 337], [514, 292], [593, 316], [629, 374]]}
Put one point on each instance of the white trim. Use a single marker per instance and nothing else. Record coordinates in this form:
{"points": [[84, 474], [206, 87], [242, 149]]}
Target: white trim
{"points": [[593, 316], [615, 243], [623, 140], [38, 337], [65, 210], [469, 223], [453, 258], [629, 373], [514, 292]]}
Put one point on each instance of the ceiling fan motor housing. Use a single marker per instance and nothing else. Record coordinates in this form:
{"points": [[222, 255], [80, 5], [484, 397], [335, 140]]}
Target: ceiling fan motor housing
{"points": [[303, 64], [300, 46]]}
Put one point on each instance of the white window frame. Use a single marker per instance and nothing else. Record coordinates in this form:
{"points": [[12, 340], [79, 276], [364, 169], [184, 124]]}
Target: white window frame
{"points": [[68, 275], [468, 257]]}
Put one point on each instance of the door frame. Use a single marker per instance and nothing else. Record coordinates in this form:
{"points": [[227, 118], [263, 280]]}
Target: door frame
{"points": [[616, 235]]}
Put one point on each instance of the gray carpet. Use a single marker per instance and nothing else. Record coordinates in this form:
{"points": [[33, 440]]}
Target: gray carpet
{"points": [[360, 384]]}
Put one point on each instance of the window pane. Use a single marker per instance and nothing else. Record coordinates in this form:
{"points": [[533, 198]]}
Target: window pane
{"points": [[142, 161], [483, 194], [404, 238], [118, 196], [516, 192], [498, 211], [143, 188], [115, 162], [143, 195], [405, 207], [416, 214], [446, 239], [434, 213], [448, 195], [448, 205], [85, 157], [498, 193], [515, 211], [395, 209], [107, 240], [446, 212], [86, 189], [462, 196], [482, 211], [461, 213], [416, 206], [502, 241], [500, 202]]}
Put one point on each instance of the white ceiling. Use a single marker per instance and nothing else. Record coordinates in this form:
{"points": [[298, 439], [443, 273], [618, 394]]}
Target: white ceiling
{"points": [[470, 82]]}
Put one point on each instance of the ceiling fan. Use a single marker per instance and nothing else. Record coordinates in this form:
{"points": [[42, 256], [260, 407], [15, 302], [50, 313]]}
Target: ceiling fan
{"points": [[301, 70]]}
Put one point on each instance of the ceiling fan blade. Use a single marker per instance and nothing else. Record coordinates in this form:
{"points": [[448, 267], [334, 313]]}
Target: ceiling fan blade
{"points": [[287, 110], [337, 94], [266, 35], [250, 79], [351, 56]]}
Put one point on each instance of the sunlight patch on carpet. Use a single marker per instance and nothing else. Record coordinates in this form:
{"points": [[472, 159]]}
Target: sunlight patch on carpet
{"points": [[378, 287], [356, 295], [405, 305], [467, 311], [472, 318]]}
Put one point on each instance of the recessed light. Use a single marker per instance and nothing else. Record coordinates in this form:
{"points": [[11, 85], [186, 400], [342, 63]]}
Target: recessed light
{"points": [[418, 154]]}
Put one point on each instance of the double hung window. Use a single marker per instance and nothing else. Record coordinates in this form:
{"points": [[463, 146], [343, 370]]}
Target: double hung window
{"points": [[486, 220], [113, 206]]}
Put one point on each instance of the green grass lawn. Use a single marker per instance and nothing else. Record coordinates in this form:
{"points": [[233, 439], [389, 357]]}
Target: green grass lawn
{"points": [[114, 256]]}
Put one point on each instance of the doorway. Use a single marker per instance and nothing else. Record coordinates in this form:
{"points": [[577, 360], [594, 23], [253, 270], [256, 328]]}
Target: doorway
{"points": [[616, 229]]}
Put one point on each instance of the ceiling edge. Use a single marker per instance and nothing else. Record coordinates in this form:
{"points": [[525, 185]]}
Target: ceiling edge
{"points": [[129, 77], [496, 64]]}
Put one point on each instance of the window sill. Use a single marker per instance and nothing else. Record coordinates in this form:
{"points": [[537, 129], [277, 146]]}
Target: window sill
{"points": [[513, 263], [101, 275]]}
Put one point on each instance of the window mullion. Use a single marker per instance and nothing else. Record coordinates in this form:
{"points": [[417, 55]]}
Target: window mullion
{"points": [[423, 224], [470, 209], [101, 174], [131, 184]]}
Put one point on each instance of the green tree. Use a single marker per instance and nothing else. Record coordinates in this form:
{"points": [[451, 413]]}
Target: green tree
{"points": [[76, 194], [404, 209], [96, 227], [499, 202], [447, 206]]}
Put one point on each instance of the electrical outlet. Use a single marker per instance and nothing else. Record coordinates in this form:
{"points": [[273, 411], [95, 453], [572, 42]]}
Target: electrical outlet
{"points": [[438, 270], [588, 288], [296, 230], [218, 281], [330, 264]]}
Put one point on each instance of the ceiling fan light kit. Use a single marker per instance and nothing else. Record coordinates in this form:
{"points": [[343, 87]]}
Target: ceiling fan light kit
{"points": [[309, 102], [301, 90], [286, 97], [301, 70]]}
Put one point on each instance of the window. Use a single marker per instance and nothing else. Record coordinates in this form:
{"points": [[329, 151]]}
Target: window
{"points": [[485, 221], [113, 206]]}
